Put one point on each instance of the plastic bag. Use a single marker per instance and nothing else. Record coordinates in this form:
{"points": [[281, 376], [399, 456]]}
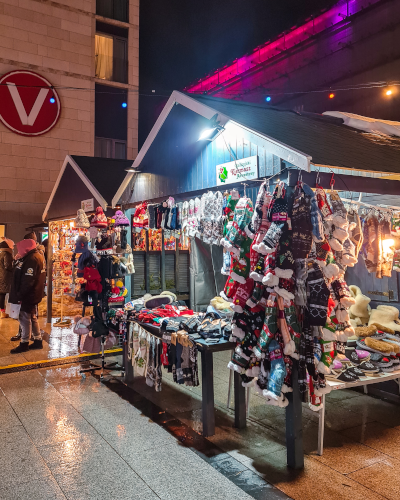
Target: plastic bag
{"points": [[14, 310]]}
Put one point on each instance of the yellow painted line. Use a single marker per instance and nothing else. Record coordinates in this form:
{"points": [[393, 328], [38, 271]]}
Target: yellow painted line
{"points": [[80, 356]]}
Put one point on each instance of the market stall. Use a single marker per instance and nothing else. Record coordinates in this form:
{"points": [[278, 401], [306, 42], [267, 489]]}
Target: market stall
{"points": [[281, 229], [84, 190]]}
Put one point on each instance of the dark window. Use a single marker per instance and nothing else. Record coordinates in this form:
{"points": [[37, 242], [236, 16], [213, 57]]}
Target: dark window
{"points": [[109, 148], [113, 9], [111, 113]]}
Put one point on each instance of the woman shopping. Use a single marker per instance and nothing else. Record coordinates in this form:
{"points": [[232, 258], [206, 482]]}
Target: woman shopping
{"points": [[6, 271]]}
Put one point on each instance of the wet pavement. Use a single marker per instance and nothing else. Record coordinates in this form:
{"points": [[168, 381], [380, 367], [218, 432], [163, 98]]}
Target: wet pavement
{"points": [[58, 343], [78, 438], [64, 437], [361, 459]]}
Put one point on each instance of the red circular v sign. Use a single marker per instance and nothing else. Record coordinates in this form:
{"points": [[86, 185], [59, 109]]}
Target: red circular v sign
{"points": [[28, 103]]}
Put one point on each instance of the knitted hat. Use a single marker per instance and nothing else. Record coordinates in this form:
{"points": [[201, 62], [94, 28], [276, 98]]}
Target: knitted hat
{"points": [[99, 220], [82, 219], [120, 219]]}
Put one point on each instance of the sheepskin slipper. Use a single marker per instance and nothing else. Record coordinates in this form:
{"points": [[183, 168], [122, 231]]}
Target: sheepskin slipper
{"points": [[361, 308], [379, 345], [365, 331], [383, 328], [385, 316]]}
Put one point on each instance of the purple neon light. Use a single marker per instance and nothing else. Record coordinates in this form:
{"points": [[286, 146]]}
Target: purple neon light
{"points": [[286, 41]]}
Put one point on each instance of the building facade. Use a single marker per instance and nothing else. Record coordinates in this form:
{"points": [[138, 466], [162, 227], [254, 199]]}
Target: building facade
{"points": [[87, 52], [345, 58]]}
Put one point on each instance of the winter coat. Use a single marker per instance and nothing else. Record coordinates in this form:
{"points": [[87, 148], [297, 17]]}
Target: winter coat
{"points": [[6, 269], [29, 279]]}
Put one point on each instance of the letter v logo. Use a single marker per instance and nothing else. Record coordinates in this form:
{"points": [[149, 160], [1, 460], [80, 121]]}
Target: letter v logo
{"points": [[37, 106], [29, 103]]}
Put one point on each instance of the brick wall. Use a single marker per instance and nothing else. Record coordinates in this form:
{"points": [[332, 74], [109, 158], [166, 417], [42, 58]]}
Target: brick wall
{"points": [[56, 40]]}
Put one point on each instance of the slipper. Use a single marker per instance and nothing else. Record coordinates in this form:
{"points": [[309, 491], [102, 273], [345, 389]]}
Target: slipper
{"points": [[356, 371], [344, 376], [351, 354], [368, 368], [363, 355], [362, 345], [380, 361]]}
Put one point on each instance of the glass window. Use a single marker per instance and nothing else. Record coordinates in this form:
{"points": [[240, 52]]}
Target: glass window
{"points": [[169, 241], [113, 9], [139, 241], [120, 150], [104, 47], [109, 148], [155, 239]]}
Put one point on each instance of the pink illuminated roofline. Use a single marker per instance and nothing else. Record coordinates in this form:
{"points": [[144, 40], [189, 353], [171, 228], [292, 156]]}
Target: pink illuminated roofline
{"points": [[285, 41]]}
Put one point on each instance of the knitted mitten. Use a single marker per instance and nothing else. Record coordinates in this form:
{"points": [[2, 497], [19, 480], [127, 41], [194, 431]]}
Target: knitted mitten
{"points": [[331, 269], [341, 233], [323, 202], [241, 268], [332, 240], [319, 296], [271, 238], [286, 288], [243, 292], [277, 372], [328, 354], [339, 218], [322, 250], [270, 279], [256, 294], [229, 291], [349, 253], [270, 326], [342, 292], [301, 227]]}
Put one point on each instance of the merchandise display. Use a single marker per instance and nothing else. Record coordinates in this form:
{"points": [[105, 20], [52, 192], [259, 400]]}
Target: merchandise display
{"points": [[285, 263]]}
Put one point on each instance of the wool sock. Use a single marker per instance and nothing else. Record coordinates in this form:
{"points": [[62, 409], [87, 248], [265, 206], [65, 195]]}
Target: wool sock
{"points": [[277, 372], [328, 354]]}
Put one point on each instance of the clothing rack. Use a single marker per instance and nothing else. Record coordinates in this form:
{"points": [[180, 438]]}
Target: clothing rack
{"points": [[385, 208]]}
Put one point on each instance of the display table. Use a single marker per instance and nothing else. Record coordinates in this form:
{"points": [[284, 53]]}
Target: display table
{"points": [[337, 385], [207, 380]]}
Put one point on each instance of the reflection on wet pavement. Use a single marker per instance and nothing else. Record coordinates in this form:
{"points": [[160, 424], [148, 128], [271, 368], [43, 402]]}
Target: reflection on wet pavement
{"points": [[85, 437], [64, 437]]}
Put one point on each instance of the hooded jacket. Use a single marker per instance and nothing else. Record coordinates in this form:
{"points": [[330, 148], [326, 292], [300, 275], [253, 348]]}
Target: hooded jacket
{"points": [[6, 267], [29, 275]]}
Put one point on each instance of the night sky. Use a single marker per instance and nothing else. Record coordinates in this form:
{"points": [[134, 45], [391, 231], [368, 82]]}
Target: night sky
{"points": [[183, 40]]}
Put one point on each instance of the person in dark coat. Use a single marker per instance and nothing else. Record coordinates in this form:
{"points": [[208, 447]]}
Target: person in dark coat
{"points": [[28, 290], [6, 271]]}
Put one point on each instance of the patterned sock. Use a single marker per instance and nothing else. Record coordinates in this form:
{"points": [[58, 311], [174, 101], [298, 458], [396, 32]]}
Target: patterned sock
{"points": [[270, 326], [301, 227], [319, 296], [278, 371], [257, 293], [243, 292], [328, 354]]}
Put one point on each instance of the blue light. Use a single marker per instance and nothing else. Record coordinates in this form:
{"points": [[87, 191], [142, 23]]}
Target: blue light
{"points": [[52, 100], [268, 98], [124, 105]]}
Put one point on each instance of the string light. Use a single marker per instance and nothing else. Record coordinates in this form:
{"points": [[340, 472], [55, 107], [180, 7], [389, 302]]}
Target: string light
{"points": [[331, 96]]}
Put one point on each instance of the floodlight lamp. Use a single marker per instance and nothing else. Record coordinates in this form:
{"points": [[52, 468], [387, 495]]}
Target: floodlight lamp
{"points": [[208, 132]]}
